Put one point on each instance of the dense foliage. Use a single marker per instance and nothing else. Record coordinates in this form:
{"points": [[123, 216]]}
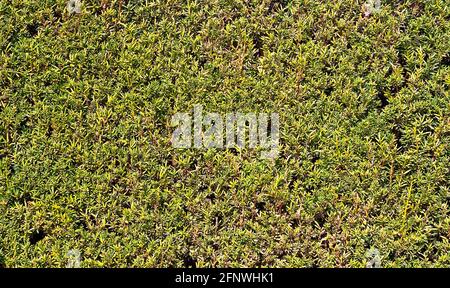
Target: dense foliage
{"points": [[86, 160]]}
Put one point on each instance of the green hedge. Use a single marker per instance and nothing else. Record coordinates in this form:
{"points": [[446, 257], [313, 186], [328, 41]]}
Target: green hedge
{"points": [[86, 161]]}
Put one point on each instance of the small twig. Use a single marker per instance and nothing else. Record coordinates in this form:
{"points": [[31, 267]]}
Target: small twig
{"points": [[120, 6]]}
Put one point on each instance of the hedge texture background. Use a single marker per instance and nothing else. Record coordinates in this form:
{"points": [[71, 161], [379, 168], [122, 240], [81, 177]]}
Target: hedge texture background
{"points": [[86, 161]]}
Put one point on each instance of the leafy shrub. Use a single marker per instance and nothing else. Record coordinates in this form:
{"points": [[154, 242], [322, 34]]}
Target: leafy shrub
{"points": [[85, 154]]}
